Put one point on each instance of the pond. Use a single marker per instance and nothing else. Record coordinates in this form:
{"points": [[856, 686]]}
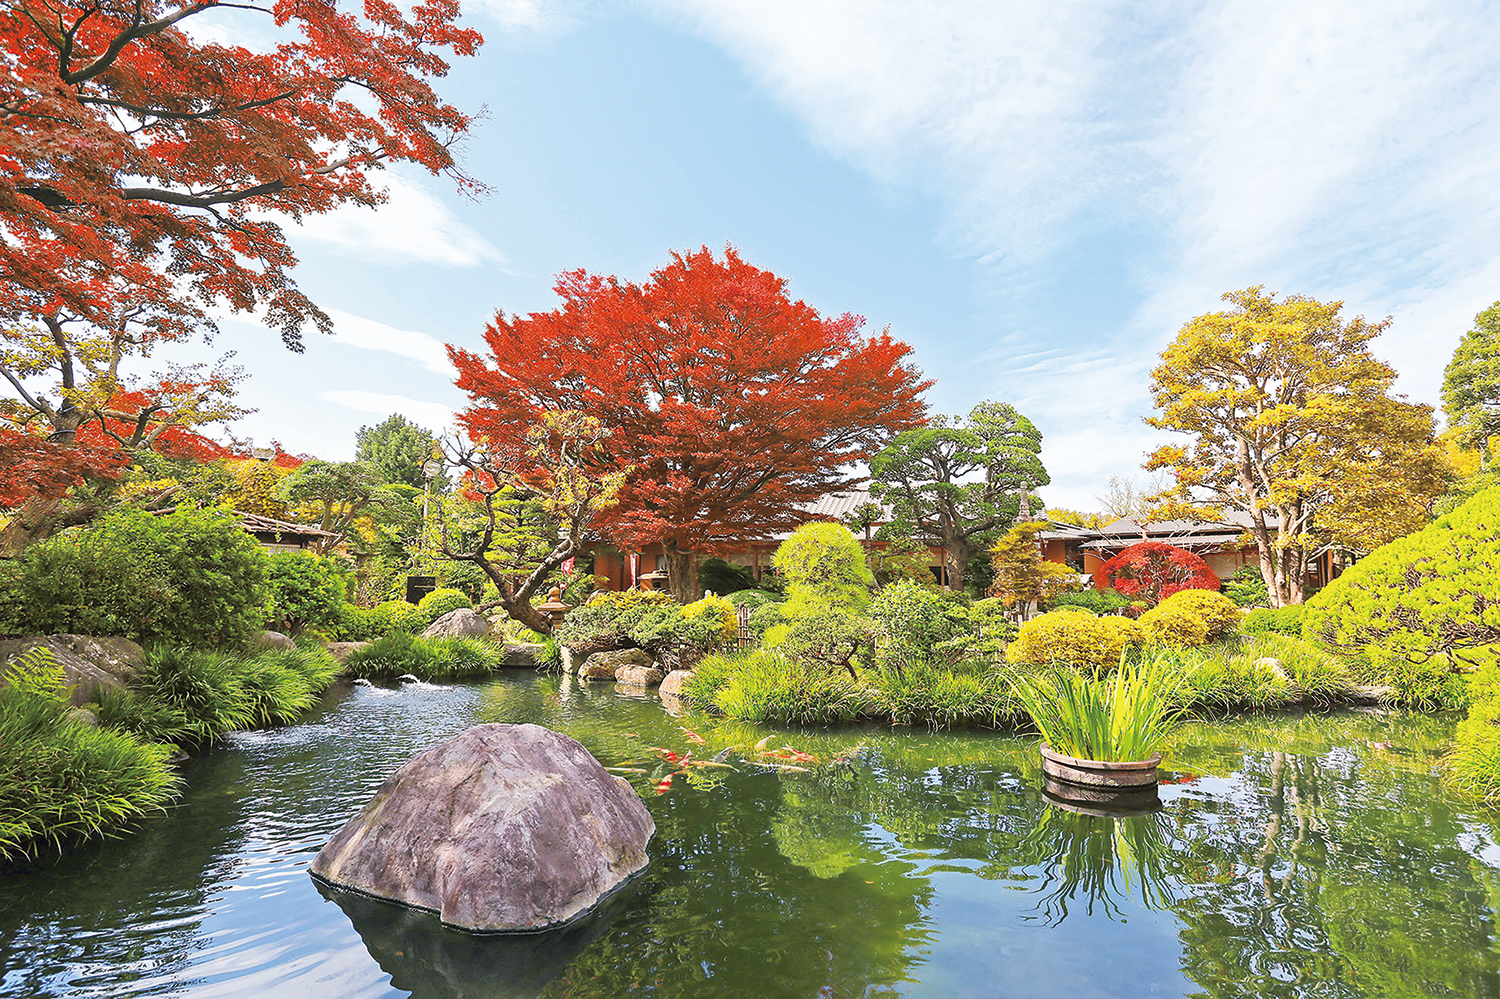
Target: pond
{"points": [[1296, 855]]}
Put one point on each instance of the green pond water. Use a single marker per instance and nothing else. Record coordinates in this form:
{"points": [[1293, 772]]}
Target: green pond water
{"points": [[1296, 855]]}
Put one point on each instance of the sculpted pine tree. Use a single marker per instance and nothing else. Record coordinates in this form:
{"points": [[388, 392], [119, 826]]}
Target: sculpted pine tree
{"points": [[731, 404], [958, 482], [1293, 423], [539, 495], [144, 167]]}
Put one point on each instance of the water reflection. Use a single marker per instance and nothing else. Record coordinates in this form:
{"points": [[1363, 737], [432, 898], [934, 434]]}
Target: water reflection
{"points": [[1101, 860], [1315, 856]]}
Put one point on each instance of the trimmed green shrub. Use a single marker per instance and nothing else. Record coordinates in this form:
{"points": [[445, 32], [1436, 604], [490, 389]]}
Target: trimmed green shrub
{"points": [[824, 568], [1075, 637], [1286, 620], [1247, 587], [766, 617], [61, 779], [1430, 596], [396, 616], [1101, 602], [1189, 618], [442, 601], [912, 615], [305, 590], [191, 576], [605, 622], [718, 614], [355, 624], [1473, 767], [754, 599], [724, 578]]}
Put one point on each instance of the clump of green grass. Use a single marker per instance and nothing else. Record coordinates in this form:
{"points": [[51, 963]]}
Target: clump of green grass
{"points": [[763, 686], [1473, 767], [62, 779], [1126, 715], [398, 654], [935, 694]]}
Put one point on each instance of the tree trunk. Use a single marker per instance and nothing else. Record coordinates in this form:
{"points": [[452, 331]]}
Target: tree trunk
{"points": [[682, 572]]}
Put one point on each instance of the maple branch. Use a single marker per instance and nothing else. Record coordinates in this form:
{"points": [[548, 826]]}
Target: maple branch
{"points": [[136, 30], [230, 197], [42, 406], [142, 110]]}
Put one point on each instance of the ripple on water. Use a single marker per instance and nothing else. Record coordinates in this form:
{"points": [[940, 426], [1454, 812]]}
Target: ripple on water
{"points": [[927, 866]]}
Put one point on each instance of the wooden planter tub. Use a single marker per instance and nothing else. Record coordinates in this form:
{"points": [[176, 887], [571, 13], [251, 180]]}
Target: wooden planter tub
{"points": [[1124, 786]]}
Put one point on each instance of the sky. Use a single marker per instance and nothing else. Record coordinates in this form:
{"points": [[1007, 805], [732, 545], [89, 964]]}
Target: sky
{"points": [[1035, 196]]}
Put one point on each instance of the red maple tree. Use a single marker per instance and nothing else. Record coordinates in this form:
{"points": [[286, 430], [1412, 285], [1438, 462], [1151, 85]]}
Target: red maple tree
{"points": [[730, 403], [1154, 570], [142, 167]]}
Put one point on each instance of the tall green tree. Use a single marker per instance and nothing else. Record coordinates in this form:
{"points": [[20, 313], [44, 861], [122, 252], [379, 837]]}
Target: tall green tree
{"points": [[336, 493], [1293, 423], [1471, 384], [396, 450], [960, 481]]}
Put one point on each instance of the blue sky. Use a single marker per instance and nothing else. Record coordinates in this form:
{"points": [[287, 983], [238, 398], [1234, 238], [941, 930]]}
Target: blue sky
{"points": [[1036, 197]]}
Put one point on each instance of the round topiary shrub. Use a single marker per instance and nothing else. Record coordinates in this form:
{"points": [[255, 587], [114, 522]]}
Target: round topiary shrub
{"points": [[1434, 594], [1190, 618], [396, 616], [1074, 636], [911, 614], [824, 568], [1154, 570], [441, 601], [719, 614]]}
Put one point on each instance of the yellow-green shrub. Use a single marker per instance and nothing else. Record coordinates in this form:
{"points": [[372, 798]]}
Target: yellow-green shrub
{"points": [[717, 611], [1474, 765], [1073, 635], [1181, 626], [1218, 612]]}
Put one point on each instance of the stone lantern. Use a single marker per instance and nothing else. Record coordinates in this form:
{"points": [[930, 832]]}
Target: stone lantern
{"points": [[554, 608]]}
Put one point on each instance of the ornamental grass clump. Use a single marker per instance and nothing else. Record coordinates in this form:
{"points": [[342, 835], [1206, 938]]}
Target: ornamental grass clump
{"points": [[1124, 716], [1473, 767], [62, 779]]}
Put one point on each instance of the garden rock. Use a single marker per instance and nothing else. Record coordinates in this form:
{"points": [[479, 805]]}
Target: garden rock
{"points": [[1272, 665], [523, 654], [343, 650], [501, 828], [671, 685], [88, 663], [640, 676], [461, 623], [604, 665], [274, 640]]}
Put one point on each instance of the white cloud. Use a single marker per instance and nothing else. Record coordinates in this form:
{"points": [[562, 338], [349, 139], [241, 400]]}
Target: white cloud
{"points": [[432, 415], [367, 334], [549, 17], [412, 225], [1340, 149]]}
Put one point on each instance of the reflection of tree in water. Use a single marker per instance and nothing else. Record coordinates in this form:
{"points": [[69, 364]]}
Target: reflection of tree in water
{"points": [[727, 910], [1342, 876], [1100, 860]]}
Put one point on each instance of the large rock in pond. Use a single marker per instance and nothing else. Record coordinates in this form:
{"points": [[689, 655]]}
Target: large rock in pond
{"points": [[639, 676], [88, 663], [461, 623], [605, 665], [523, 655], [503, 828], [671, 686]]}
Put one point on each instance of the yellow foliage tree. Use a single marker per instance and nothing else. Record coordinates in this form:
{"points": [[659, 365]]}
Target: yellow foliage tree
{"points": [[1293, 423], [256, 488], [1022, 576]]}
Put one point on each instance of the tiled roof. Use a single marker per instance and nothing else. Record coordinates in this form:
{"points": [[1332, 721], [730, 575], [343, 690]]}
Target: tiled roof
{"points": [[256, 524]]}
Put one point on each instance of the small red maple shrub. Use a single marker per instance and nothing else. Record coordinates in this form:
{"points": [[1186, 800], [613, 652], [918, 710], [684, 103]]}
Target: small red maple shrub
{"points": [[1154, 570]]}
